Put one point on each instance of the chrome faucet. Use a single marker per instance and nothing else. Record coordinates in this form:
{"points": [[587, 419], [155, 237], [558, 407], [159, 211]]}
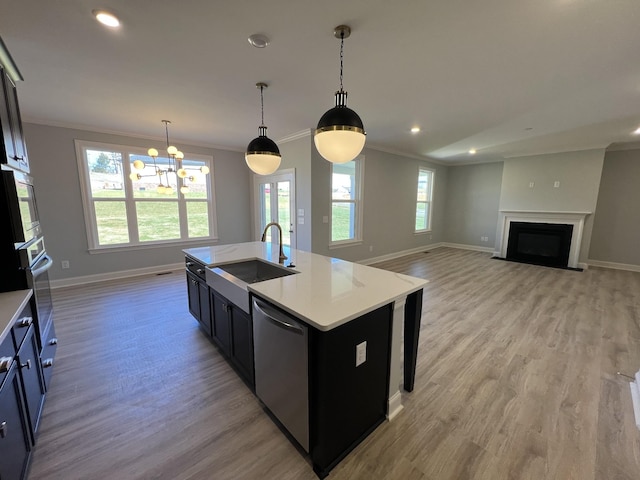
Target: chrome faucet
{"points": [[283, 257]]}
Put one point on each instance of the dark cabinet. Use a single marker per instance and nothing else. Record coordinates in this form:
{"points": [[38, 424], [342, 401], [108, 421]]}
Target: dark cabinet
{"points": [[233, 332], [228, 326], [221, 322], [28, 363], [15, 444], [15, 152], [198, 293]]}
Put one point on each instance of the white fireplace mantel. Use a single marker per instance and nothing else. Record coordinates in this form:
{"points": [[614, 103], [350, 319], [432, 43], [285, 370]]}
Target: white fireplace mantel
{"points": [[569, 218]]}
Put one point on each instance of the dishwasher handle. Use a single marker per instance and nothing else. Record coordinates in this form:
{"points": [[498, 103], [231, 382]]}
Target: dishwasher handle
{"points": [[270, 314]]}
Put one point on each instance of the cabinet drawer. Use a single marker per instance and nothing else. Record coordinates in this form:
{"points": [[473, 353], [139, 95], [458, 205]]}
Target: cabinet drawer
{"points": [[21, 327], [196, 268], [48, 354]]}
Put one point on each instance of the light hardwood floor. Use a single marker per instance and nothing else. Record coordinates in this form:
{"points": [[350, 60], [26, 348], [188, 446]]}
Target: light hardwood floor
{"points": [[516, 379]]}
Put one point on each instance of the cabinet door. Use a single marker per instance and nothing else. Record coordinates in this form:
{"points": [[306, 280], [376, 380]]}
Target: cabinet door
{"points": [[242, 335], [14, 439], [16, 153], [205, 308], [193, 292], [31, 379], [221, 322]]}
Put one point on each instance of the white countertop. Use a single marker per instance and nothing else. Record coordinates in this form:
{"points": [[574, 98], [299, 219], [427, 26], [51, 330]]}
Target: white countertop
{"points": [[11, 304], [327, 292]]}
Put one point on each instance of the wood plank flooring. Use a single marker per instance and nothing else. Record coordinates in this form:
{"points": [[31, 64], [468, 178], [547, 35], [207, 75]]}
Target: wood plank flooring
{"points": [[516, 379]]}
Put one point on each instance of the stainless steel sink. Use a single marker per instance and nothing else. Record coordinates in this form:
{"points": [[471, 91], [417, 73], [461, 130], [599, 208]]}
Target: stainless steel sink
{"points": [[231, 279], [252, 271]]}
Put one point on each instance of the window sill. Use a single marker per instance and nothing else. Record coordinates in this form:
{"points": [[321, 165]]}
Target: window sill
{"points": [[345, 243], [422, 232], [150, 245]]}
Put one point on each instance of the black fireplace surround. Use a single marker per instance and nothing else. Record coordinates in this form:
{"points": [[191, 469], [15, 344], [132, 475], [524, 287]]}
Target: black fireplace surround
{"points": [[545, 244]]}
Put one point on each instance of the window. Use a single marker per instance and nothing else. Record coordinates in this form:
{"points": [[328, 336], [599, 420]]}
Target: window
{"points": [[346, 201], [424, 199], [120, 212]]}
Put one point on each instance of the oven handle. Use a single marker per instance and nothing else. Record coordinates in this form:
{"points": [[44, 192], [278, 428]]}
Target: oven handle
{"points": [[48, 264]]}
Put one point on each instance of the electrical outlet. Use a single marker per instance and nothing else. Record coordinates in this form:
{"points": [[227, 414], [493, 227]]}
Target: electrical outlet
{"points": [[300, 220], [361, 353], [556, 184], [371, 248], [65, 264], [532, 184]]}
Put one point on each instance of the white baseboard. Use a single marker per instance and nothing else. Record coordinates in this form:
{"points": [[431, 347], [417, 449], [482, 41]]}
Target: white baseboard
{"points": [[103, 277], [403, 253], [395, 406], [615, 266], [462, 246]]}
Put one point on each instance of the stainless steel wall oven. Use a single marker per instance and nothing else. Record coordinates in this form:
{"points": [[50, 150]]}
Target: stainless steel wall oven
{"points": [[25, 262]]}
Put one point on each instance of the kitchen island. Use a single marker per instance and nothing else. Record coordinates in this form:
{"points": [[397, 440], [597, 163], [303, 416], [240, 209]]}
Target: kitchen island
{"points": [[355, 316]]}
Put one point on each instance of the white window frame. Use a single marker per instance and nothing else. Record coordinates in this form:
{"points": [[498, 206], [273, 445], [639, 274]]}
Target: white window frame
{"points": [[357, 201], [428, 203], [130, 202]]}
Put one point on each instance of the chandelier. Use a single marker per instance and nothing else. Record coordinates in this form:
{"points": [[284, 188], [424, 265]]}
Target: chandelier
{"points": [[173, 167]]}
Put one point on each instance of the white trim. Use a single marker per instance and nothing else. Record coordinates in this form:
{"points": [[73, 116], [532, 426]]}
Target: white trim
{"points": [[295, 136], [576, 219], [104, 277], [358, 202], [284, 175], [403, 253], [126, 134], [130, 201], [613, 265], [461, 246], [394, 406], [428, 202]]}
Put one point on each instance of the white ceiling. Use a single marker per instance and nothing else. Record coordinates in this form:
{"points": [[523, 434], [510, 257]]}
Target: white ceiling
{"points": [[506, 77]]}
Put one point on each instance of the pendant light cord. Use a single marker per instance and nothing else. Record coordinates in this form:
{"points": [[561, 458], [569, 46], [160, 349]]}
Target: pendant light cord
{"points": [[341, 56], [262, 104]]}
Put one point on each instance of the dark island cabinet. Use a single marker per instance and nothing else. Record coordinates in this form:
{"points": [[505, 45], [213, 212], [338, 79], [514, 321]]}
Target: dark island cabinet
{"points": [[198, 293], [233, 333], [228, 326], [15, 152]]}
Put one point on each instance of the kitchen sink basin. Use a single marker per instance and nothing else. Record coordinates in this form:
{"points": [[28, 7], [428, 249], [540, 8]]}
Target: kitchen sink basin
{"points": [[231, 279], [253, 271]]}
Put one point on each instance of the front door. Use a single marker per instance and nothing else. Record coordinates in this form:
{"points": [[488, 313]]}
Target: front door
{"points": [[275, 202]]}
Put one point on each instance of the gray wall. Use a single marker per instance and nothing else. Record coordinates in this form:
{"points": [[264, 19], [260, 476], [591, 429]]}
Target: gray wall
{"points": [[616, 227], [579, 176], [390, 183], [473, 198], [55, 171], [297, 154]]}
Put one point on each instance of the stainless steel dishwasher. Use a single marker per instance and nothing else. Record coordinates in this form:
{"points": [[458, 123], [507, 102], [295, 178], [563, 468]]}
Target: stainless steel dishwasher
{"points": [[281, 368]]}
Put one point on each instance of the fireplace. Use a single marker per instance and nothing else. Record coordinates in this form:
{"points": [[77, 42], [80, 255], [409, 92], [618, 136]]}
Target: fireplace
{"points": [[574, 219], [540, 243]]}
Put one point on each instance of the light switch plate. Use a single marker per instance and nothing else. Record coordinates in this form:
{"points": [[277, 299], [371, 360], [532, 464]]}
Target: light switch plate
{"points": [[361, 353]]}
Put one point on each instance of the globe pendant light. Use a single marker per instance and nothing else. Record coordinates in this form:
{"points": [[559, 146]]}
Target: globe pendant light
{"points": [[263, 156], [340, 134]]}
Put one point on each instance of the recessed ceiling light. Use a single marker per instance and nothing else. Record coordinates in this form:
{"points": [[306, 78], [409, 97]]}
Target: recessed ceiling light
{"points": [[415, 129], [106, 18], [637, 131], [258, 40], [472, 151]]}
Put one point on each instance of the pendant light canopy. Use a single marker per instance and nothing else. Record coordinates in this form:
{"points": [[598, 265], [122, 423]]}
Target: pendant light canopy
{"points": [[263, 156], [340, 134]]}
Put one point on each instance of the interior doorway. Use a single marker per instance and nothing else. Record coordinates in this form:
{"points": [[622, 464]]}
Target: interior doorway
{"points": [[275, 201]]}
